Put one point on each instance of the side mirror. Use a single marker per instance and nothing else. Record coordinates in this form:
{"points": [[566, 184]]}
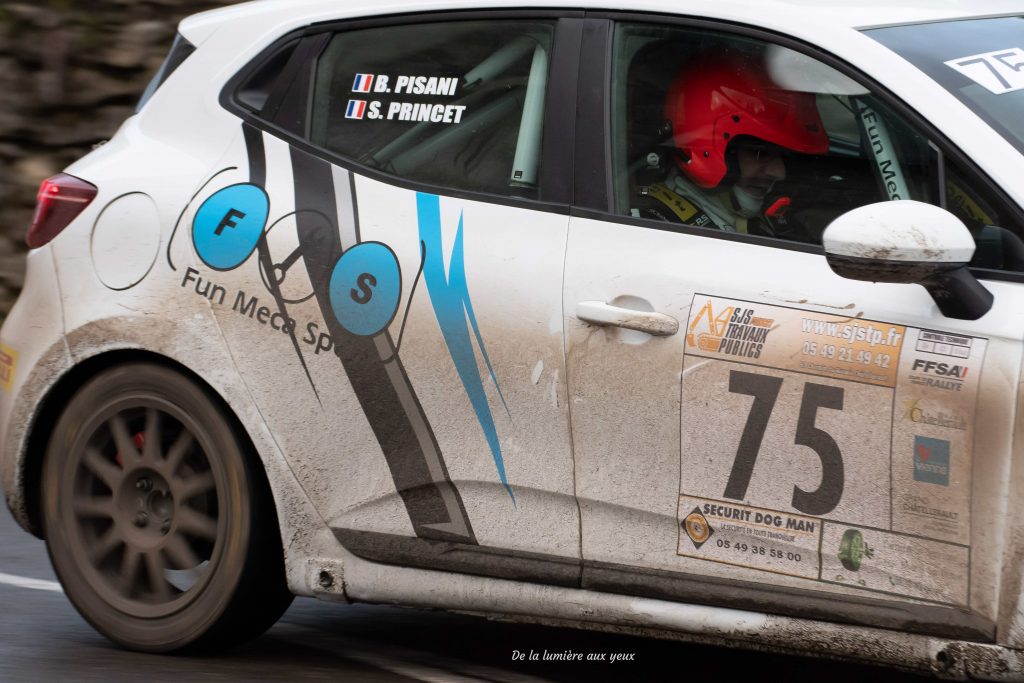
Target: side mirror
{"points": [[910, 242]]}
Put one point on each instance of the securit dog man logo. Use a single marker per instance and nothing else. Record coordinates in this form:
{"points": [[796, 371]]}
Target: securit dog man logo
{"points": [[734, 331], [697, 528]]}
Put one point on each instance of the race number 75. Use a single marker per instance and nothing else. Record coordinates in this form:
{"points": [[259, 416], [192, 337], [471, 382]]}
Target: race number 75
{"points": [[999, 72], [765, 390]]}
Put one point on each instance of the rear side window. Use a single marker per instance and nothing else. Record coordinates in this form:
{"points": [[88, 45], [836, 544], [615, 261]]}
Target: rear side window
{"points": [[457, 104], [255, 90], [180, 51]]}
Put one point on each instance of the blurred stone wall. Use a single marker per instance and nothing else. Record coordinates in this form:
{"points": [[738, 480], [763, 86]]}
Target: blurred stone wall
{"points": [[70, 73]]}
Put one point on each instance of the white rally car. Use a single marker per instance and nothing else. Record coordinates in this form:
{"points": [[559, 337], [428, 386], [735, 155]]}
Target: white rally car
{"points": [[704, 321]]}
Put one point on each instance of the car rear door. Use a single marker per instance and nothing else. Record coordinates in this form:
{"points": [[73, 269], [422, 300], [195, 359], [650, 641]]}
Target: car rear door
{"points": [[752, 430], [399, 320]]}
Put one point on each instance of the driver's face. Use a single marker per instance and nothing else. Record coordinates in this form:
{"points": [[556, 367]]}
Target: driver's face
{"points": [[759, 170]]}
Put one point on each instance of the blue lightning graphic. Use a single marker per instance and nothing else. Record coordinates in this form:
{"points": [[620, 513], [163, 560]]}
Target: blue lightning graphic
{"points": [[449, 295]]}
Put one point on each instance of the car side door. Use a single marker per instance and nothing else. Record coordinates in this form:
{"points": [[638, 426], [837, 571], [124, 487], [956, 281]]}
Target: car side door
{"points": [[750, 429], [396, 313]]}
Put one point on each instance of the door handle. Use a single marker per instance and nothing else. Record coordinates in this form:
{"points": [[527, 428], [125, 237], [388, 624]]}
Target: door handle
{"points": [[600, 313]]}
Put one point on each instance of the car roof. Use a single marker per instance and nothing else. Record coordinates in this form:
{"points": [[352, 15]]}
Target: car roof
{"points": [[771, 14]]}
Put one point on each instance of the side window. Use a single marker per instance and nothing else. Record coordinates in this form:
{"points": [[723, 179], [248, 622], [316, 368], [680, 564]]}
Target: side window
{"points": [[732, 133], [255, 90], [996, 231], [457, 104]]}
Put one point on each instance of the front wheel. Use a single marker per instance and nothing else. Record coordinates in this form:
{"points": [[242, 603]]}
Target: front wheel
{"points": [[161, 529]]}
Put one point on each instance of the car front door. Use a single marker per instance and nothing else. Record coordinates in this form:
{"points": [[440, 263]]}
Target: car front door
{"points": [[751, 429]]}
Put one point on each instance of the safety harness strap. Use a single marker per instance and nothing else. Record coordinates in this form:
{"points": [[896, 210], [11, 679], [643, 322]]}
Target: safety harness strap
{"points": [[684, 209]]}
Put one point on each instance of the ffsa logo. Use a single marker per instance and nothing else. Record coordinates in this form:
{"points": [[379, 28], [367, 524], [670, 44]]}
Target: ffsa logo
{"points": [[931, 367]]}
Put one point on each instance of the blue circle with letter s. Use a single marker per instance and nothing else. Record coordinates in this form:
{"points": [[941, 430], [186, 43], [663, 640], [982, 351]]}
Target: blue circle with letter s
{"points": [[366, 287], [228, 225]]}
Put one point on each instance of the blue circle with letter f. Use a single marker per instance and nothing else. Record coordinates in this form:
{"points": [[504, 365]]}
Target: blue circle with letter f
{"points": [[228, 225]]}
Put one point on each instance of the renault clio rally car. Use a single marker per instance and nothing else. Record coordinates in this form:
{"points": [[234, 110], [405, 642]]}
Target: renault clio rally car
{"points": [[367, 302]]}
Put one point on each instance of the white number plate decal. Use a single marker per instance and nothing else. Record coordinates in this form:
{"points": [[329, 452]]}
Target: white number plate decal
{"points": [[1000, 72], [832, 448]]}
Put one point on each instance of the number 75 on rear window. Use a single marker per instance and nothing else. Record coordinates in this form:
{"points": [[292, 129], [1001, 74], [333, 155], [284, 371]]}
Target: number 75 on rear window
{"points": [[1001, 71]]}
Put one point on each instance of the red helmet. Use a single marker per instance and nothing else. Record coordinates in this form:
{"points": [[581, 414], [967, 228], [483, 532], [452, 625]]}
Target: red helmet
{"points": [[714, 99]]}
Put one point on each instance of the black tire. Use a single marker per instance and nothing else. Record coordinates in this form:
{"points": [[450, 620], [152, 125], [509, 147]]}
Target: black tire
{"points": [[159, 524]]}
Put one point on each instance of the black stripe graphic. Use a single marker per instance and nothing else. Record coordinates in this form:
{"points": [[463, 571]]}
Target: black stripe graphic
{"points": [[378, 378], [257, 155], [258, 176]]}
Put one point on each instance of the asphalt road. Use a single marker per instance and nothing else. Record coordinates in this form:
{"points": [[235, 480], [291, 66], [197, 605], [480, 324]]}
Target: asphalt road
{"points": [[43, 638]]}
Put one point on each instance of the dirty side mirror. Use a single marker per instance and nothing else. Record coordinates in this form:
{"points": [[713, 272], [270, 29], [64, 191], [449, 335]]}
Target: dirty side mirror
{"points": [[909, 242]]}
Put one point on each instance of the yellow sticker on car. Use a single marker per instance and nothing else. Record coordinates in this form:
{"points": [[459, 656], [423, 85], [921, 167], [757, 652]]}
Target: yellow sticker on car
{"points": [[8, 365]]}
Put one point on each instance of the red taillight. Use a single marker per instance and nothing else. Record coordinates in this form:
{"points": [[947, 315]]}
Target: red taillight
{"points": [[60, 199]]}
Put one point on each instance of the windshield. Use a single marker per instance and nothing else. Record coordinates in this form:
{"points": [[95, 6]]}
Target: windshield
{"points": [[981, 61]]}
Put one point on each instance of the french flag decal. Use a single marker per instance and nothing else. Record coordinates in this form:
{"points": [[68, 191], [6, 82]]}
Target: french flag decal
{"points": [[362, 83], [356, 109]]}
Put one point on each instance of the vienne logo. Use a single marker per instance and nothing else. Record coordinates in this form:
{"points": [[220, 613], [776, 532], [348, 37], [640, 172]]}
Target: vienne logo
{"points": [[931, 460]]}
